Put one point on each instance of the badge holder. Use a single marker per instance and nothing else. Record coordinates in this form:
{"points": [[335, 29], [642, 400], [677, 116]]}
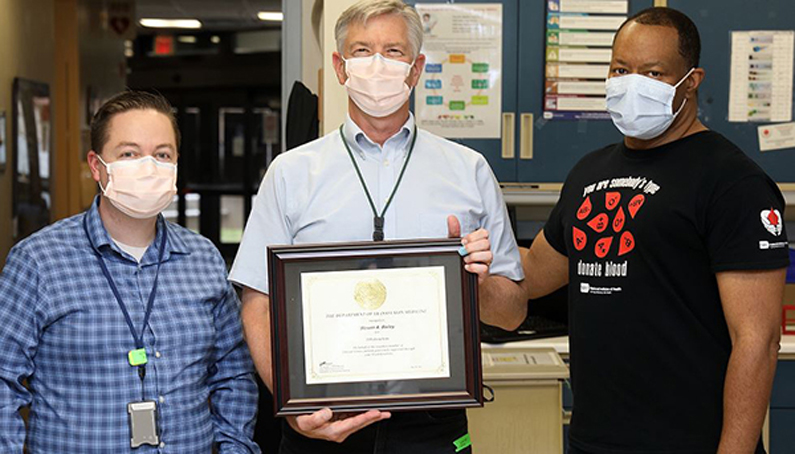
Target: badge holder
{"points": [[143, 423]]}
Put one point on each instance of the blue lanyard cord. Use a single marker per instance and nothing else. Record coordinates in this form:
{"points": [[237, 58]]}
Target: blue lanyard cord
{"points": [[139, 340]]}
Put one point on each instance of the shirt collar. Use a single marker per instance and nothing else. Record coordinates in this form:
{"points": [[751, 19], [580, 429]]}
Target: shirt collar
{"points": [[100, 238], [361, 144]]}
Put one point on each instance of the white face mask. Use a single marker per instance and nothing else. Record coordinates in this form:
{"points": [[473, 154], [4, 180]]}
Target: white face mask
{"points": [[377, 84], [642, 107], [140, 188]]}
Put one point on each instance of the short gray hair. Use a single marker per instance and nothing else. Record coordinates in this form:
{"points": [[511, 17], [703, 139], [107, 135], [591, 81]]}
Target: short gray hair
{"points": [[365, 9]]}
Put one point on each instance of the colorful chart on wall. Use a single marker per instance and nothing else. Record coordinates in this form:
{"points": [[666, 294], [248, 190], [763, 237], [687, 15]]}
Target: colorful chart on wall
{"points": [[761, 76], [579, 36], [460, 92]]}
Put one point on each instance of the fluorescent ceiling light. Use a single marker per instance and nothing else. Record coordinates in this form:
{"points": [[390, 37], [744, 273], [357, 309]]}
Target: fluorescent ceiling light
{"points": [[273, 16], [170, 23]]}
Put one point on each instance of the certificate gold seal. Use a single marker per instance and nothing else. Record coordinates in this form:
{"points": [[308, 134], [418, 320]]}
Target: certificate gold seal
{"points": [[370, 294]]}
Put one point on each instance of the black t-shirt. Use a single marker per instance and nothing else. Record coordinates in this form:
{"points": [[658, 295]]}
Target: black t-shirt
{"points": [[645, 231]]}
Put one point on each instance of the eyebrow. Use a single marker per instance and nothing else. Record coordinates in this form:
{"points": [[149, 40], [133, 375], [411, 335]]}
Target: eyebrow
{"points": [[135, 145], [652, 64], [127, 144], [360, 43]]}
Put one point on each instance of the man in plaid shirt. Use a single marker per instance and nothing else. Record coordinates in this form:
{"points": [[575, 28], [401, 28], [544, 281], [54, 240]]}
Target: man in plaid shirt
{"points": [[116, 306]]}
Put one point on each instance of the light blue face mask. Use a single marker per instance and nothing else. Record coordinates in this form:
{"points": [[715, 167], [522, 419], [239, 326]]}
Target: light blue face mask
{"points": [[642, 107]]}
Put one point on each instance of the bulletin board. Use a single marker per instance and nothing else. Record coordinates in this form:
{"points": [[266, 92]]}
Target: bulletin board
{"points": [[716, 19]]}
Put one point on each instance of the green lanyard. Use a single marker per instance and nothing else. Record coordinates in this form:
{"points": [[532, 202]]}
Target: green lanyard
{"points": [[378, 221]]}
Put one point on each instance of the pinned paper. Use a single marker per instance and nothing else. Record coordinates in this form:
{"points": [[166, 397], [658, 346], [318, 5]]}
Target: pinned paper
{"points": [[776, 137], [761, 76]]}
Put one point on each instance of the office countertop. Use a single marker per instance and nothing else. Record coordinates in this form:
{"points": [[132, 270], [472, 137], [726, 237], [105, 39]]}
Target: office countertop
{"points": [[561, 345]]}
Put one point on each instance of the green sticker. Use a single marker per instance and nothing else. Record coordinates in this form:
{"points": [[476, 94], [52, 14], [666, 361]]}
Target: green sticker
{"points": [[137, 357], [462, 443]]}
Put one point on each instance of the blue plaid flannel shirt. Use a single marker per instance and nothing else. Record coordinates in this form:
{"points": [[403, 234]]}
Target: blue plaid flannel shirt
{"points": [[61, 329]]}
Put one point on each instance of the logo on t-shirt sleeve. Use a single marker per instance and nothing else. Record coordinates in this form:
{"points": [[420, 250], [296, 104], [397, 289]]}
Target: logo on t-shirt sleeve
{"points": [[772, 221]]}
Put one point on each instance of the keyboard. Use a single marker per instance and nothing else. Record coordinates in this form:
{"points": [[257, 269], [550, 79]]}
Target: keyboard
{"points": [[534, 327]]}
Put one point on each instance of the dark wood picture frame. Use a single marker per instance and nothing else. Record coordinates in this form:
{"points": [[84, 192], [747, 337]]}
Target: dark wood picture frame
{"points": [[292, 396]]}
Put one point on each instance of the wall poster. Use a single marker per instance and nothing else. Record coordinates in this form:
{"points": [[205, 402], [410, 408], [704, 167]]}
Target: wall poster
{"points": [[579, 37], [460, 92]]}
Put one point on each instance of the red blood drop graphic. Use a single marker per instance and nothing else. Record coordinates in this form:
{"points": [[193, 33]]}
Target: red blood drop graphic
{"points": [[580, 238], [618, 221], [612, 199], [599, 223], [772, 217], [626, 243], [635, 204], [585, 209], [603, 247]]}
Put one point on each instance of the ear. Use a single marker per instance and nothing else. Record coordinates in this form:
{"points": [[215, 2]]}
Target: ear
{"points": [[416, 71], [339, 67], [694, 81], [94, 165]]}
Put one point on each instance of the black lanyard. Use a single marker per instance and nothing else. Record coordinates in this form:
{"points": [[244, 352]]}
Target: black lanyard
{"points": [[139, 340], [378, 220]]}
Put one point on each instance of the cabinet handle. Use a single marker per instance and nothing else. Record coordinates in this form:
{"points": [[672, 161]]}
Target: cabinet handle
{"points": [[526, 139], [508, 135]]}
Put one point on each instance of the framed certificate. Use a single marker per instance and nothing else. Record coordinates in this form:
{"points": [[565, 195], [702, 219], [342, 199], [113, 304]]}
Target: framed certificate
{"points": [[389, 325]]}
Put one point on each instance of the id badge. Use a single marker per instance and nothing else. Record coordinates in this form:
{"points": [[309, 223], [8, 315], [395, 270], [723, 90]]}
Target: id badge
{"points": [[143, 423]]}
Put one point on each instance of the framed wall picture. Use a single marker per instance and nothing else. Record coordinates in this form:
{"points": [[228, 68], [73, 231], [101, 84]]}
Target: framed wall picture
{"points": [[389, 325], [32, 151]]}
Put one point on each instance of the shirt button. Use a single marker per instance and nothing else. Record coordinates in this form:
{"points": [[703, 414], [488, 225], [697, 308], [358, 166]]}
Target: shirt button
{"points": [[386, 162], [157, 354], [162, 444], [161, 399]]}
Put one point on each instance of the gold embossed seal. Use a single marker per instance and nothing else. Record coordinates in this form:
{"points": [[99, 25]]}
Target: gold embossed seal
{"points": [[370, 294]]}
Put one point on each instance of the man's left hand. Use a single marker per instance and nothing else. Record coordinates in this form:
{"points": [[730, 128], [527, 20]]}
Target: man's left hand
{"points": [[478, 256]]}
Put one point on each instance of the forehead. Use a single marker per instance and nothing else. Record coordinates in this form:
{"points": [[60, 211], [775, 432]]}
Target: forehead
{"points": [[386, 28], [141, 122], [638, 44]]}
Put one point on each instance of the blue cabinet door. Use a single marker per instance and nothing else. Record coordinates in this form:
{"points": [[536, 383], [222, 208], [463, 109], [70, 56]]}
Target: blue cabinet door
{"points": [[783, 395], [782, 431], [559, 144], [504, 169]]}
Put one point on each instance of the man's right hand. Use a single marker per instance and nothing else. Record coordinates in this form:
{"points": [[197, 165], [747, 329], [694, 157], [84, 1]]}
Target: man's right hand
{"points": [[325, 425]]}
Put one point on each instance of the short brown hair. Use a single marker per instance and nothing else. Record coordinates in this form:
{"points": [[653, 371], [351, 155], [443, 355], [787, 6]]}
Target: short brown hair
{"points": [[123, 102]]}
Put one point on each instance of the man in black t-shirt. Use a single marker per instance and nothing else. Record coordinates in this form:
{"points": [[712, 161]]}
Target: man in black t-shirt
{"points": [[673, 246]]}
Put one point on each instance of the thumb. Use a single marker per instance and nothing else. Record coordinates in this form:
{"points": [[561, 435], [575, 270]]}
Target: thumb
{"points": [[453, 227]]}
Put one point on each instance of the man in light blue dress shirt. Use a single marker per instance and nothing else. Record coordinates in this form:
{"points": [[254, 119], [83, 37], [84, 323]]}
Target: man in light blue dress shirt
{"points": [[377, 163]]}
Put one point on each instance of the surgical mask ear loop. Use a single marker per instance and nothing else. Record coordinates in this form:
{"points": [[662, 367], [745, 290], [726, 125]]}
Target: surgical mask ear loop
{"points": [[677, 86], [107, 167]]}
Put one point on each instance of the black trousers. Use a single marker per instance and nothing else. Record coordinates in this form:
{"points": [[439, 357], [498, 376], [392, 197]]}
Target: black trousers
{"points": [[415, 432]]}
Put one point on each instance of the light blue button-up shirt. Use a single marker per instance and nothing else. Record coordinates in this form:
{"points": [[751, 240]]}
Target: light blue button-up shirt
{"points": [[311, 194]]}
